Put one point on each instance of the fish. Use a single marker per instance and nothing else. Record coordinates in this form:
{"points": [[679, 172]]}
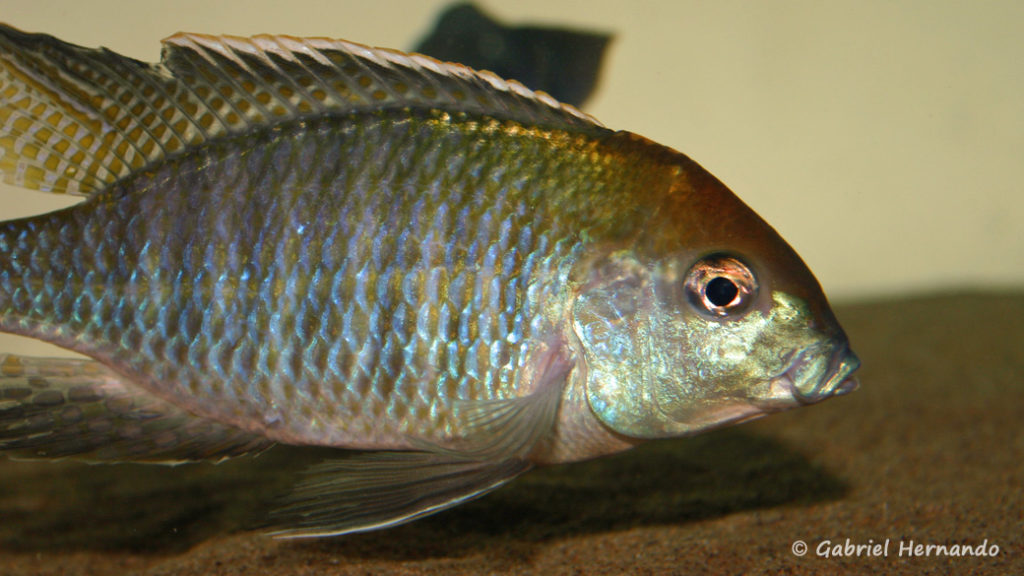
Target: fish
{"points": [[442, 277], [563, 62]]}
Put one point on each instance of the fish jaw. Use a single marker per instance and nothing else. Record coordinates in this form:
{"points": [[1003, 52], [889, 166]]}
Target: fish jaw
{"points": [[801, 384], [811, 376]]}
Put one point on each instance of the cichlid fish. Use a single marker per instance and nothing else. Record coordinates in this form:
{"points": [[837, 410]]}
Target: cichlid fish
{"points": [[313, 242]]}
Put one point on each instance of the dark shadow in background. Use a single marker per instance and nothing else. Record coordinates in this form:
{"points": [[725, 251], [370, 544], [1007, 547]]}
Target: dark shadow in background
{"points": [[563, 62], [156, 510]]}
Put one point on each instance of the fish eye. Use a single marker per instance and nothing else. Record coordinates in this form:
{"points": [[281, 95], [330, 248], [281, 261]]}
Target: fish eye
{"points": [[720, 285]]}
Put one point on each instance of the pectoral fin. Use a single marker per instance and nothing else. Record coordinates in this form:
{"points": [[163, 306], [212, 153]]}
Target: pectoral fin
{"points": [[53, 408], [377, 490], [508, 428]]}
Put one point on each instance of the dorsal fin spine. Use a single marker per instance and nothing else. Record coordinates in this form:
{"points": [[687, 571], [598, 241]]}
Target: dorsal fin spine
{"points": [[292, 84], [196, 119], [127, 114], [220, 60]]}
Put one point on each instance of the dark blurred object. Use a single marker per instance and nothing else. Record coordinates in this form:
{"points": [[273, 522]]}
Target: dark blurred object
{"points": [[563, 63]]}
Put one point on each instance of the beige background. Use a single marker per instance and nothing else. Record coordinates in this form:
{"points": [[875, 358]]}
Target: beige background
{"points": [[884, 140]]}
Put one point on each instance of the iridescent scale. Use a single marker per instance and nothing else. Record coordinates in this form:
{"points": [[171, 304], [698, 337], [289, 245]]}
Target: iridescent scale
{"points": [[340, 281], [309, 241]]}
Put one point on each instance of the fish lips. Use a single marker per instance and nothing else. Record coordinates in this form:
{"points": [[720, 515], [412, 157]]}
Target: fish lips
{"points": [[815, 375]]}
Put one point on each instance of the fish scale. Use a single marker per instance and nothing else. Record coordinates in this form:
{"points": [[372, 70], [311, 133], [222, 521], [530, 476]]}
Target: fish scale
{"points": [[421, 325], [309, 241]]}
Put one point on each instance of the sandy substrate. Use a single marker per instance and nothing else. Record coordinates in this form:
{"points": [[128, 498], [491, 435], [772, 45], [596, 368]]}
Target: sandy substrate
{"points": [[930, 450]]}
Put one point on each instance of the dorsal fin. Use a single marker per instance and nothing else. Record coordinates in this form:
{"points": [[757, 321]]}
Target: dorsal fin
{"points": [[297, 76], [74, 119]]}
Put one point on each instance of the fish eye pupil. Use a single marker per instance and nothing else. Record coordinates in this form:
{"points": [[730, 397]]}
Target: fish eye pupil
{"points": [[720, 286], [721, 291]]}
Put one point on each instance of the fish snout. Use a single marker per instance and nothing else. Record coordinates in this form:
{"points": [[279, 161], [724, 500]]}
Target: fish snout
{"points": [[817, 374]]}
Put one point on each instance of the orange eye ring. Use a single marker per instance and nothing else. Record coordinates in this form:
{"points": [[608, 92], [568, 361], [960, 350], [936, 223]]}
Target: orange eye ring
{"points": [[720, 286]]}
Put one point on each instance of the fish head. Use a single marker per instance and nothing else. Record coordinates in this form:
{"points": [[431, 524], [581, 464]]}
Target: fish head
{"points": [[705, 318]]}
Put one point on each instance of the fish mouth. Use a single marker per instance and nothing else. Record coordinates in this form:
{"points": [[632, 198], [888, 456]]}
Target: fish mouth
{"points": [[814, 375]]}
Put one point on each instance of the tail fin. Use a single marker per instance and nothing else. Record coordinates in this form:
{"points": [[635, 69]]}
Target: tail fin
{"points": [[53, 408]]}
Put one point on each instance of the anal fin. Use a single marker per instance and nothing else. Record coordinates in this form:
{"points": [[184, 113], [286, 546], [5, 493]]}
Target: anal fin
{"points": [[53, 408], [374, 490]]}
